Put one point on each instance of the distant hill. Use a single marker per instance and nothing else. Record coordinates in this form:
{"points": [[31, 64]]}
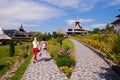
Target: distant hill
{"points": [[9, 32]]}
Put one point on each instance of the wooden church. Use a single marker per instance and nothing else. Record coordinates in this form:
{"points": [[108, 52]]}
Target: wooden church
{"points": [[76, 28], [116, 24], [22, 35]]}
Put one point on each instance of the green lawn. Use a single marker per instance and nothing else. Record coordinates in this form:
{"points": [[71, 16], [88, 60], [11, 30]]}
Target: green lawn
{"points": [[6, 61], [20, 71]]}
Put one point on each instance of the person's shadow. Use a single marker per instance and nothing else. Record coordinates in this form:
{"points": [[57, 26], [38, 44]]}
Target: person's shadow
{"points": [[44, 59], [48, 59]]}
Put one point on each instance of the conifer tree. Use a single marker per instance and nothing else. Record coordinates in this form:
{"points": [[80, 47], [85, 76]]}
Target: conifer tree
{"points": [[12, 49]]}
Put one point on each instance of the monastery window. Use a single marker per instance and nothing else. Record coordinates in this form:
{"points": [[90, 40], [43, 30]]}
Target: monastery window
{"points": [[70, 29]]}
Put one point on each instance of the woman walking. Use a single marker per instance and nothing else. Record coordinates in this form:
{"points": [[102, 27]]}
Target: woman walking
{"points": [[43, 45], [35, 48]]}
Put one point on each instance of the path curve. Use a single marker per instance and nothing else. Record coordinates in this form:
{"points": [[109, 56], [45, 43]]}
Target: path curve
{"points": [[89, 66], [43, 70]]}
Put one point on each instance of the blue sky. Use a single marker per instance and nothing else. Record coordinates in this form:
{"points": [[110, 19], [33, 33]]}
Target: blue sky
{"points": [[50, 15]]}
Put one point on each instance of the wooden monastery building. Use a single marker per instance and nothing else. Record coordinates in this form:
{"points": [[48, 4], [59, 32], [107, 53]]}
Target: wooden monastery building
{"points": [[76, 28], [22, 35], [3, 37], [116, 24]]}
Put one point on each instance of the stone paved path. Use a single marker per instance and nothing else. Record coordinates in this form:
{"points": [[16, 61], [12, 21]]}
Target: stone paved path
{"points": [[89, 66], [43, 70]]}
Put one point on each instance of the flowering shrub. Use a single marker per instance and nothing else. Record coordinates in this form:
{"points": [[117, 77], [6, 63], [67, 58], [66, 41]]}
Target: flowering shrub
{"points": [[67, 70], [107, 43], [63, 51], [64, 57], [70, 52]]}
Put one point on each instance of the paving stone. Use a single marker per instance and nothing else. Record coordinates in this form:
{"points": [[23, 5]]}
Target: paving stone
{"points": [[43, 70]]}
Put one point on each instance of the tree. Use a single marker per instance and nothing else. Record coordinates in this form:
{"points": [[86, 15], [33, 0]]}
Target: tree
{"points": [[54, 35], [96, 30], [112, 27], [109, 28], [12, 49], [49, 36], [38, 35]]}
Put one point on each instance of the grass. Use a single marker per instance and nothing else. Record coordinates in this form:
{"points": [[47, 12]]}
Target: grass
{"points": [[6, 62], [68, 43], [20, 71]]}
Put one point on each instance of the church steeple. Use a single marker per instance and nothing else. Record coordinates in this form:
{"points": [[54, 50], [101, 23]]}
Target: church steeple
{"points": [[77, 23], [21, 28]]}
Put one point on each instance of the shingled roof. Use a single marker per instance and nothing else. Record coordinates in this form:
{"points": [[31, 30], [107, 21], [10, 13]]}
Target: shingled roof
{"points": [[3, 36]]}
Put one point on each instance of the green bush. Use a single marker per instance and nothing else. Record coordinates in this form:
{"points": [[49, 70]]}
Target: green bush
{"points": [[65, 60], [54, 56], [116, 46], [59, 40]]}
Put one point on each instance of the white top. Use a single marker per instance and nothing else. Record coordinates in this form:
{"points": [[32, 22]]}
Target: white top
{"points": [[35, 44], [44, 43]]}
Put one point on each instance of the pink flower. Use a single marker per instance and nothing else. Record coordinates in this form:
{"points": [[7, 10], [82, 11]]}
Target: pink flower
{"points": [[61, 51], [70, 52]]}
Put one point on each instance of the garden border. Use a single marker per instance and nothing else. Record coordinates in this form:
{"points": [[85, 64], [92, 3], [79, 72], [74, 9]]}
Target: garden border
{"points": [[114, 67]]}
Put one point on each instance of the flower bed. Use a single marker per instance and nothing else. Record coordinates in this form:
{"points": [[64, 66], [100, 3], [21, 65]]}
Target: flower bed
{"points": [[63, 55], [104, 43]]}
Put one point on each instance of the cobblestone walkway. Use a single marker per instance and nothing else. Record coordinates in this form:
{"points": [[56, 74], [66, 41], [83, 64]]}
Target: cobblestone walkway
{"points": [[43, 70], [89, 66]]}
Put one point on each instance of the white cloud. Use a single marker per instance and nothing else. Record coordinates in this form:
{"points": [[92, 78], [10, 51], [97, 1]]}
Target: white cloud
{"points": [[85, 20], [101, 26], [13, 12], [70, 21], [5, 24], [82, 5], [112, 3], [64, 3]]}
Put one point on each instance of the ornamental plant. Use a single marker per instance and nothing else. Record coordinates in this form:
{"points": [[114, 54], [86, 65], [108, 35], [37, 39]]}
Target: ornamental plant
{"points": [[116, 45], [66, 57], [63, 55], [12, 49], [70, 52], [63, 51]]}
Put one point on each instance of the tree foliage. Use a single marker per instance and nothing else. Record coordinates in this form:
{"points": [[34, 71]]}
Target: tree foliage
{"points": [[108, 28]]}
